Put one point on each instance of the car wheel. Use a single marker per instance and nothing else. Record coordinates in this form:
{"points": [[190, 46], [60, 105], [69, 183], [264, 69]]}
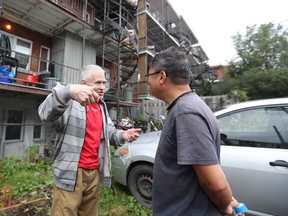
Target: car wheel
{"points": [[140, 182]]}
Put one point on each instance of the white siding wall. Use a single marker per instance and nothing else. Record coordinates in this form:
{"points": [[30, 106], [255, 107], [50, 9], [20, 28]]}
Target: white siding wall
{"points": [[29, 106], [73, 56], [68, 47]]}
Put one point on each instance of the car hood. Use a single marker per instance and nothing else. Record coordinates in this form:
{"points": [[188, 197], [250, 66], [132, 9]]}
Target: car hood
{"points": [[148, 138], [144, 148]]}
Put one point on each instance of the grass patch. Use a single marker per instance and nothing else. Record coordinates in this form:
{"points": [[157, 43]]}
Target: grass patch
{"points": [[118, 202], [32, 179]]}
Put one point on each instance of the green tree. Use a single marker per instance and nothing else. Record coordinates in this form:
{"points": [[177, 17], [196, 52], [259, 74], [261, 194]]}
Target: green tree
{"points": [[261, 65]]}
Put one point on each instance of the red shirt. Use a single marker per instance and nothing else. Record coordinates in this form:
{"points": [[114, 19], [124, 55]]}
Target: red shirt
{"points": [[94, 124]]}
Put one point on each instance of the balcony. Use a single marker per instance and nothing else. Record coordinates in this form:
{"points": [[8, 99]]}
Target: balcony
{"points": [[79, 8], [38, 77], [24, 74], [51, 17]]}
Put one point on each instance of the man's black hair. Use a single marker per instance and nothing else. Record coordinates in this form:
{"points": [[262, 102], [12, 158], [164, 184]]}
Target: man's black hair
{"points": [[174, 63]]}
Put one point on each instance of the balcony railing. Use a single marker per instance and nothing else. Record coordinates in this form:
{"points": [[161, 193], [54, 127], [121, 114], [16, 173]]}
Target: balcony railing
{"points": [[78, 8], [155, 13], [39, 73]]}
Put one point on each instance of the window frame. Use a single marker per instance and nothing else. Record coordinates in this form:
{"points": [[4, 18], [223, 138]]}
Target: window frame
{"points": [[38, 122], [234, 134], [17, 124], [44, 60], [13, 41]]}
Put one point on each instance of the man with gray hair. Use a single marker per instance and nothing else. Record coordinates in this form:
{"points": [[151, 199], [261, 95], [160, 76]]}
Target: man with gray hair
{"points": [[84, 131]]}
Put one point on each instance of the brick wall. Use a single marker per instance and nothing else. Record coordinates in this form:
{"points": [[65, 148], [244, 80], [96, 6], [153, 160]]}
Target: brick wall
{"points": [[37, 38], [219, 71]]}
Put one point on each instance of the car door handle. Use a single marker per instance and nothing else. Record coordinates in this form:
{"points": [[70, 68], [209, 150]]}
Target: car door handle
{"points": [[281, 163]]}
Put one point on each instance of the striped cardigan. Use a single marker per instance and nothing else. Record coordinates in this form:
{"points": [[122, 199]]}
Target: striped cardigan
{"points": [[68, 118]]}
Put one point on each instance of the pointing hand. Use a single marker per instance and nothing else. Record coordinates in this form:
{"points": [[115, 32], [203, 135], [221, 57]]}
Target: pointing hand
{"points": [[84, 94]]}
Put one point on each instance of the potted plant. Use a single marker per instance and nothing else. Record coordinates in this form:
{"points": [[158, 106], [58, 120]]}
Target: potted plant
{"points": [[140, 122]]}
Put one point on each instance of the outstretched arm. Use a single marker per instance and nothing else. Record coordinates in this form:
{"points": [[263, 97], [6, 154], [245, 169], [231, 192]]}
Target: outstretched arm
{"points": [[132, 134]]}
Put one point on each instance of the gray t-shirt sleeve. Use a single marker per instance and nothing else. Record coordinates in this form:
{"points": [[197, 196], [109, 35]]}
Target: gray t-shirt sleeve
{"points": [[195, 144]]}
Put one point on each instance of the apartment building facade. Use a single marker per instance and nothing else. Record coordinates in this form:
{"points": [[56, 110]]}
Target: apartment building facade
{"points": [[44, 42]]}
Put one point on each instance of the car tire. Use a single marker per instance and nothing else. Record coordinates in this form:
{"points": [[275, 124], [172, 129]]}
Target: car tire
{"points": [[140, 181]]}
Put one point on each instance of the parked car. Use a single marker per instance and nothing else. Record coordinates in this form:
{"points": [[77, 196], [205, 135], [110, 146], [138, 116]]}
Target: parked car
{"points": [[254, 156]]}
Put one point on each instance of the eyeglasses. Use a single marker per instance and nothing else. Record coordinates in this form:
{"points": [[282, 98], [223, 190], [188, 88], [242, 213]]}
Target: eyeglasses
{"points": [[157, 72]]}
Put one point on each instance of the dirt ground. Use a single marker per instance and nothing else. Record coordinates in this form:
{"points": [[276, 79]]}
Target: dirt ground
{"points": [[37, 203], [36, 208]]}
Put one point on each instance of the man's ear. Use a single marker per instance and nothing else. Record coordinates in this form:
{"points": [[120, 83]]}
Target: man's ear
{"points": [[83, 82], [163, 77]]}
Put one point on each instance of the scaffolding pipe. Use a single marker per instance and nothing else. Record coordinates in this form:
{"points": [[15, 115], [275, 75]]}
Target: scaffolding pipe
{"points": [[84, 32], [103, 51], [120, 14], [104, 37], [118, 81]]}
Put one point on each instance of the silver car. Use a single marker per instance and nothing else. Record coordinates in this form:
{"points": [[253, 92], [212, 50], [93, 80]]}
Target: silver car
{"points": [[254, 157]]}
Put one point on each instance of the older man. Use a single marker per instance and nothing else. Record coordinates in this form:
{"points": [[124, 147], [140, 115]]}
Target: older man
{"points": [[84, 130]]}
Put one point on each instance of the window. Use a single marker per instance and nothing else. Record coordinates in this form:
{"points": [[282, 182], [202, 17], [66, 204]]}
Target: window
{"points": [[23, 52], [37, 131], [14, 125], [262, 127], [44, 58]]}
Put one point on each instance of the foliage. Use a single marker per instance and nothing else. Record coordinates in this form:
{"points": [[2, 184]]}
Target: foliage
{"points": [[140, 118], [32, 180], [156, 124], [201, 79], [260, 69], [230, 87], [266, 84], [204, 88], [239, 95], [31, 153], [262, 48], [119, 202], [24, 177]]}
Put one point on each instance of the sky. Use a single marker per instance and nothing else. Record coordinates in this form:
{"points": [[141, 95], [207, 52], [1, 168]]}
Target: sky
{"points": [[214, 22]]}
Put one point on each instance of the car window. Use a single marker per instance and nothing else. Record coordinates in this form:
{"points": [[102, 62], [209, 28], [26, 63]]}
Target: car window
{"points": [[261, 127]]}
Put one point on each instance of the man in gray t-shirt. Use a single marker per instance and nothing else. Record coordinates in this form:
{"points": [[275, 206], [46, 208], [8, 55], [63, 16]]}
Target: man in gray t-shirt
{"points": [[187, 176]]}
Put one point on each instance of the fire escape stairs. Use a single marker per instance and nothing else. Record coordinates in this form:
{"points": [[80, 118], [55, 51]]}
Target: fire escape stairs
{"points": [[126, 57]]}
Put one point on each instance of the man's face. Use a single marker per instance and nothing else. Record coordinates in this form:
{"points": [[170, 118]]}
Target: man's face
{"points": [[98, 81], [152, 79]]}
